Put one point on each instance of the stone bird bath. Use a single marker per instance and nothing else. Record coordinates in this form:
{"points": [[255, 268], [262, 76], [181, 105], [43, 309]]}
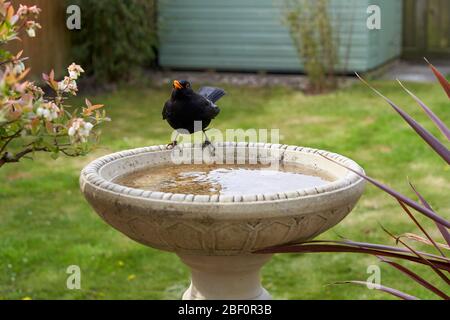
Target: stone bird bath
{"points": [[216, 235]]}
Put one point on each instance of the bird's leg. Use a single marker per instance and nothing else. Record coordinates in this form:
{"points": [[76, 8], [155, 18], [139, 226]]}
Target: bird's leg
{"points": [[207, 142], [174, 143]]}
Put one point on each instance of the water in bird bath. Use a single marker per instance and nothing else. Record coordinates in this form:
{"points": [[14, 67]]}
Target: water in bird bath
{"points": [[224, 179]]}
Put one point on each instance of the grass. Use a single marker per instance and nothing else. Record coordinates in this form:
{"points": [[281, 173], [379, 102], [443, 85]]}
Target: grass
{"points": [[46, 225]]}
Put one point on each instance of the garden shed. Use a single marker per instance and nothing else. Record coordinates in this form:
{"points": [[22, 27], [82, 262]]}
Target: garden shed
{"points": [[250, 35]]}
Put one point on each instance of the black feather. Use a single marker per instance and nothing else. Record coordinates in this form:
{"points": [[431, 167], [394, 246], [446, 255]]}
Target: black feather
{"points": [[186, 107], [211, 93]]}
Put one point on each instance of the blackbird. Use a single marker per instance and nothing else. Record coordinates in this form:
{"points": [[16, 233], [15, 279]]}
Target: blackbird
{"points": [[186, 107]]}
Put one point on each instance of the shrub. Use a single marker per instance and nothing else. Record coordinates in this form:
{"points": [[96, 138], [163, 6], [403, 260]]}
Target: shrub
{"points": [[117, 37], [309, 24], [30, 121]]}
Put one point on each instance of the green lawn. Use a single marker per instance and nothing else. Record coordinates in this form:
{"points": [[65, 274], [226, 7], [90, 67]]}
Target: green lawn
{"points": [[46, 225]]}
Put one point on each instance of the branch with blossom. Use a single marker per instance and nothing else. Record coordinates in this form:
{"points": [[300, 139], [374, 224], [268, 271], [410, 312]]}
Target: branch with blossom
{"points": [[30, 121]]}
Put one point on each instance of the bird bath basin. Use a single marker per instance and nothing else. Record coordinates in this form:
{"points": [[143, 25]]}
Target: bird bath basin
{"points": [[215, 233]]}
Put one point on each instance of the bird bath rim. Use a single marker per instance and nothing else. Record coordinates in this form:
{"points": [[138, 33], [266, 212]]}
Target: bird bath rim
{"points": [[93, 174]]}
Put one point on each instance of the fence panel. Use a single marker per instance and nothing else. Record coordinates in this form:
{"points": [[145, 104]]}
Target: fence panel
{"points": [[50, 49]]}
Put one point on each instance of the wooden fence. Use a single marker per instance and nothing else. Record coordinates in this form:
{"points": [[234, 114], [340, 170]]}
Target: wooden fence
{"points": [[426, 28], [50, 48]]}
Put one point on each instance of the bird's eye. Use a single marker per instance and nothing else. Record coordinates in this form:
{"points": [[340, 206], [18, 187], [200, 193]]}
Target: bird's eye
{"points": [[188, 85]]}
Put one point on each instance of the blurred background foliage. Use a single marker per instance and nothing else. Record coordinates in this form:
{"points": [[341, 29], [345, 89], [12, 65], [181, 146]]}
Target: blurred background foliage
{"points": [[117, 38]]}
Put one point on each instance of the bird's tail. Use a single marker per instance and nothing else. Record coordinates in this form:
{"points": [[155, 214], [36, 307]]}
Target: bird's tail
{"points": [[212, 94]]}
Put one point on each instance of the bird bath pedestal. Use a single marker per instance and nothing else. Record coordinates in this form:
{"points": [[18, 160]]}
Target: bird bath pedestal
{"points": [[215, 236]]}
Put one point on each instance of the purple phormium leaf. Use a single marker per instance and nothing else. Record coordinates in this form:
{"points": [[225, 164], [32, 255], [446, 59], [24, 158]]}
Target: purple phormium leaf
{"points": [[444, 83], [416, 278], [375, 246], [411, 203], [394, 292], [421, 228], [425, 260], [342, 248], [439, 123], [390, 248], [431, 140], [442, 229]]}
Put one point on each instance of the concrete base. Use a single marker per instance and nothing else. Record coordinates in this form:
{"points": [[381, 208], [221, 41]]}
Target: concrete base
{"points": [[226, 277]]}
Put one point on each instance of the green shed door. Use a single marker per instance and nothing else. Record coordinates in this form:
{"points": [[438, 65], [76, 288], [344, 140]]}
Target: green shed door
{"points": [[249, 35]]}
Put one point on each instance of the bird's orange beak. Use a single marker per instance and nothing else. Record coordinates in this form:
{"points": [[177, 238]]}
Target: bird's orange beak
{"points": [[177, 85]]}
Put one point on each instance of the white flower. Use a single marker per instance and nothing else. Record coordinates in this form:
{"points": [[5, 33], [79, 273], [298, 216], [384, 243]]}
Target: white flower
{"points": [[48, 111], [74, 71], [72, 131], [31, 27], [31, 32], [22, 11], [62, 85], [68, 85], [25, 10], [35, 90], [34, 10], [73, 88], [80, 130]]}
